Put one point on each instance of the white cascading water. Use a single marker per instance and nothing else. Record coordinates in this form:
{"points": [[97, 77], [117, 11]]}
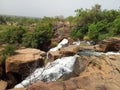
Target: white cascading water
{"points": [[51, 72], [63, 43]]}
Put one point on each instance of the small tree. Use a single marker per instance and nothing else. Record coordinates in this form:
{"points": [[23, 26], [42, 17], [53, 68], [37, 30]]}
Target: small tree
{"points": [[39, 38]]}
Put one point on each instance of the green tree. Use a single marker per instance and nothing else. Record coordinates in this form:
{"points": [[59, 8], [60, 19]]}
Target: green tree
{"points": [[39, 38], [92, 31], [115, 27]]}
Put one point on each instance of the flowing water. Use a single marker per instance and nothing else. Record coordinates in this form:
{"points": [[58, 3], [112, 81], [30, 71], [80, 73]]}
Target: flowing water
{"points": [[51, 72], [54, 70]]}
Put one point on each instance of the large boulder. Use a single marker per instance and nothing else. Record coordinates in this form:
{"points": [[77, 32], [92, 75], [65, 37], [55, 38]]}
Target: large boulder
{"points": [[110, 44], [24, 61]]}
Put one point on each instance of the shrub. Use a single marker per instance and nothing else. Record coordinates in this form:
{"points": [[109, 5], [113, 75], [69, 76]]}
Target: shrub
{"points": [[92, 31], [8, 51], [39, 38], [13, 35]]}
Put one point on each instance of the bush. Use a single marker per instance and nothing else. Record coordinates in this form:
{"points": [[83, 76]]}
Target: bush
{"points": [[8, 51], [92, 31], [39, 38], [13, 35], [29, 40]]}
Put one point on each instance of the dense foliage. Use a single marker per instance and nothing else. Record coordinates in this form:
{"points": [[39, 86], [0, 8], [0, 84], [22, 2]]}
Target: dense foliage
{"points": [[96, 24], [13, 34]]}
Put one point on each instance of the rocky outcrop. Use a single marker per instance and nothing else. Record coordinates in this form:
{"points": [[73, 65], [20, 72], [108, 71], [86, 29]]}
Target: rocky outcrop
{"points": [[24, 61], [110, 44], [101, 73]]}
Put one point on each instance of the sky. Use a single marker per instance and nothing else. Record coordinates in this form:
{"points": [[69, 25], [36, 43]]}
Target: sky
{"points": [[51, 8]]}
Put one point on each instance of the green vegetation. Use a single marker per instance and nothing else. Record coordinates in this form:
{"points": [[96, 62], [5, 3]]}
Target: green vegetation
{"points": [[13, 34], [96, 24], [7, 51], [39, 38]]}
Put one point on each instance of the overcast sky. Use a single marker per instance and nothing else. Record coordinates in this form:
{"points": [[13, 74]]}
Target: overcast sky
{"points": [[40, 8]]}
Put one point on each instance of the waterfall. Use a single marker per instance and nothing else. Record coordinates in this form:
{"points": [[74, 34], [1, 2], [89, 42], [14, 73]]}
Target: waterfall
{"points": [[51, 72], [63, 43]]}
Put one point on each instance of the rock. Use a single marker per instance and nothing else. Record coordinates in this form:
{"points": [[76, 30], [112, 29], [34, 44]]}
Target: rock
{"points": [[1, 70], [52, 55], [17, 89], [110, 44], [70, 50], [86, 47], [12, 80], [2, 62], [24, 61], [79, 66], [61, 31], [65, 51], [50, 86], [81, 63], [3, 85]]}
